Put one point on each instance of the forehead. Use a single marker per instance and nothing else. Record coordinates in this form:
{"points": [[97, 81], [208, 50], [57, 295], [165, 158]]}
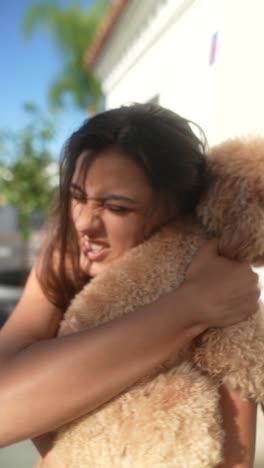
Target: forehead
{"points": [[110, 170]]}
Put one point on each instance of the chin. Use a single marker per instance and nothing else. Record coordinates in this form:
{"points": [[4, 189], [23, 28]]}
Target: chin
{"points": [[93, 268], [96, 268]]}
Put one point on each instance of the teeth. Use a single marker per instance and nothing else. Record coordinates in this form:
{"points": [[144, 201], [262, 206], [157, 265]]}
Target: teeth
{"points": [[95, 247]]}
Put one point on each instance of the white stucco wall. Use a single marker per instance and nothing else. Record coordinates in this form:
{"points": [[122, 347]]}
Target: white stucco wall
{"points": [[239, 81], [226, 98], [175, 67]]}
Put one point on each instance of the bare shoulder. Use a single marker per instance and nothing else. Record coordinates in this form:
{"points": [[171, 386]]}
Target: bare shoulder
{"points": [[34, 318]]}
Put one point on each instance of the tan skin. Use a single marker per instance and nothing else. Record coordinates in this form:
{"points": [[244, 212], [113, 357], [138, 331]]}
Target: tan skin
{"points": [[35, 367]]}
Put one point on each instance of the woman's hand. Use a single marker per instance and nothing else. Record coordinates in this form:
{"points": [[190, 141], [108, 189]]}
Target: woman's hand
{"points": [[225, 291]]}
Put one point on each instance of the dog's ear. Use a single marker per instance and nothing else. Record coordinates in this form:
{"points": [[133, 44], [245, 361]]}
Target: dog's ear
{"points": [[232, 207]]}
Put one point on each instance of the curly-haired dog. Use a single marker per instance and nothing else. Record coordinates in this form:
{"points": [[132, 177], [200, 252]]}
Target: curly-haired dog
{"points": [[172, 417]]}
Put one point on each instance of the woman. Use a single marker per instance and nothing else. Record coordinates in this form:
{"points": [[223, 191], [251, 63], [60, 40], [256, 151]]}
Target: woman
{"points": [[119, 184]]}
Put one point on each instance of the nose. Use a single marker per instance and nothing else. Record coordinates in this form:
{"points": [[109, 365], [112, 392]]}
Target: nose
{"points": [[87, 218]]}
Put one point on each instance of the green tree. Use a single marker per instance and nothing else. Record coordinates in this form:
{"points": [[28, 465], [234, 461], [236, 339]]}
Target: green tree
{"points": [[26, 179], [71, 30]]}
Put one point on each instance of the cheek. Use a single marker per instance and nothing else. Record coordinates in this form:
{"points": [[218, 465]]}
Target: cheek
{"points": [[74, 211], [127, 231]]}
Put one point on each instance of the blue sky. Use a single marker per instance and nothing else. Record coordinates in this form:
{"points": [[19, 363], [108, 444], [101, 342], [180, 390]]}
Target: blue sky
{"points": [[27, 67]]}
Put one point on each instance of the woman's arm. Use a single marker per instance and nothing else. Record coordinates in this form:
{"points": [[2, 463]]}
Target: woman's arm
{"points": [[55, 381], [239, 422], [46, 382]]}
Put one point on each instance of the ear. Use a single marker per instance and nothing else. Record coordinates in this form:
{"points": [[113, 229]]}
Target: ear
{"points": [[232, 207]]}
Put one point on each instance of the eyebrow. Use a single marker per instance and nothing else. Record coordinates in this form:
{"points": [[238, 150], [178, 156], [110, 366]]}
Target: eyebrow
{"points": [[103, 197]]}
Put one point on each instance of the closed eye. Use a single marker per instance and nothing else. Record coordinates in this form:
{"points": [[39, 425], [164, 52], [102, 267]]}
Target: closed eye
{"points": [[117, 209]]}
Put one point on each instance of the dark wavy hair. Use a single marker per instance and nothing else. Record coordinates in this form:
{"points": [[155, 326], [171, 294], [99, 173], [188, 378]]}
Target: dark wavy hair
{"points": [[163, 144]]}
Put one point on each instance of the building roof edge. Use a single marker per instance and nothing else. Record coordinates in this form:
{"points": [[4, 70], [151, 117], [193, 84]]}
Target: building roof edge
{"points": [[104, 32]]}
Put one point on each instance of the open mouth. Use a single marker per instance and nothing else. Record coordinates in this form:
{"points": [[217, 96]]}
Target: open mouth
{"points": [[94, 250]]}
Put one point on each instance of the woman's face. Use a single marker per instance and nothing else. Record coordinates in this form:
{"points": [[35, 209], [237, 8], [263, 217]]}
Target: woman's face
{"points": [[113, 210]]}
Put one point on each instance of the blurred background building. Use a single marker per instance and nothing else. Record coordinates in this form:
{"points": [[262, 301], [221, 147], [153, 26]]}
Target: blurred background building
{"points": [[201, 58]]}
